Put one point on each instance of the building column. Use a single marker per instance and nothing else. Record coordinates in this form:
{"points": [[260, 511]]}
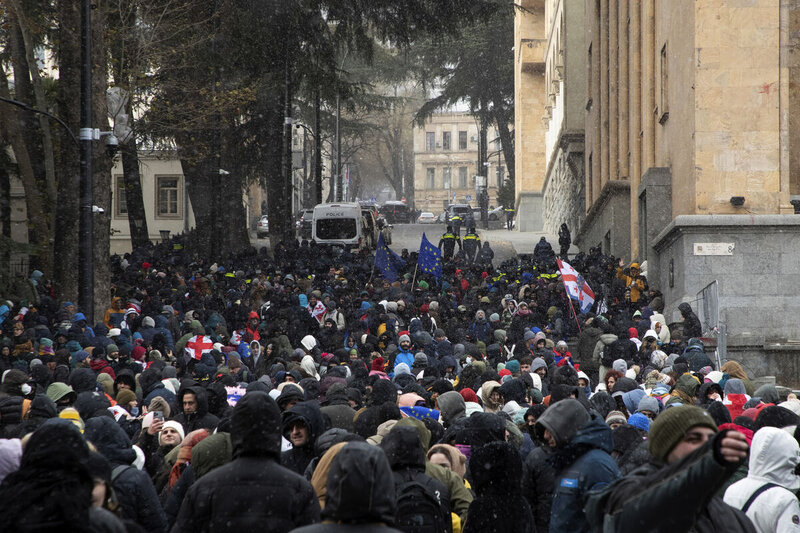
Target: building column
{"points": [[602, 140], [635, 115], [613, 91], [648, 83]]}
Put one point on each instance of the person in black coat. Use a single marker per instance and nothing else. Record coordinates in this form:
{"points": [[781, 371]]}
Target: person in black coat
{"points": [[691, 324], [133, 487], [406, 455], [252, 492], [360, 493], [301, 425], [193, 406], [496, 470]]}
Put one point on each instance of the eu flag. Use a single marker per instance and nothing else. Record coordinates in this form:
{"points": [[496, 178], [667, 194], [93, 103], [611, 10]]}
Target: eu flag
{"points": [[429, 259], [386, 261]]}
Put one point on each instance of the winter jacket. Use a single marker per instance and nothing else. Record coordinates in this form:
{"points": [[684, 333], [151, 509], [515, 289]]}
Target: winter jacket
{"points": [[582, 465], [360, 493], [253, 492], [135, 491], [773, 456], [496, 474], [665, 498], [297, 459], [200, 419], [538, 483]]}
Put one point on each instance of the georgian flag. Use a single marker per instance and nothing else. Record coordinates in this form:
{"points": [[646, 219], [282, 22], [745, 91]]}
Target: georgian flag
{"points": [[198, 345], [318, 311], [576, 287], [236, 338]]}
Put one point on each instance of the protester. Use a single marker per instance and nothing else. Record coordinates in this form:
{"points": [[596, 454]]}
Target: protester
{"points": [[206, 375]]}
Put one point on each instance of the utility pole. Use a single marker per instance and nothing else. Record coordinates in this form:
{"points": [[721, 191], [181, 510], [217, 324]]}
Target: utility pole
{"points": [[337, 183], [86, 224]]}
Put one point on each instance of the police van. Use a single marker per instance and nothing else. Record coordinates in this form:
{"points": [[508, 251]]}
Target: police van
{"points": [[340, 224]]}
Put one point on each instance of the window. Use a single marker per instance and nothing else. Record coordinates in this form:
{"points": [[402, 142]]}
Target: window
{"points": [[337, 228], [462, 140], [589, 68], [462, 177], [663, 103], [120, 203], [430, 139], [431, 178], [445, 140], [446, 178], [168, 194]]}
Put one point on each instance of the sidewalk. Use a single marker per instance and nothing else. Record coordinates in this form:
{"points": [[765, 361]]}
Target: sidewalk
{"points": [[522, 242]]}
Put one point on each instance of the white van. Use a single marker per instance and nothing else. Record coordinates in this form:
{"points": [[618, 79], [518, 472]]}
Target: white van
{"points": [[339, 224]]}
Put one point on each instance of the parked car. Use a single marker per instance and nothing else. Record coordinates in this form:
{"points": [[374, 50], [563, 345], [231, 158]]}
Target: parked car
{"points": [[262, 228], [304, 223], [497, 213], [426, 218], [396, 212]]}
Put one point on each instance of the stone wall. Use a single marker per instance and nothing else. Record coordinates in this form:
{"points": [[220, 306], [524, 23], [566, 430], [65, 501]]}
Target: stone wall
{"points": [[564, 198], [757, 296], [607, 221]]}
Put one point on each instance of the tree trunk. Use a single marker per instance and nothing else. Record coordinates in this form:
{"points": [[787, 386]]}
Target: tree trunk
{"points": [[41, 103], [39, 234], [101, 164], [506, 140], [137, 220], [68, 52]]}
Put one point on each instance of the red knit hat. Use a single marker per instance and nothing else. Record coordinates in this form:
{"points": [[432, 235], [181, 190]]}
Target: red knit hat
{"points": [[377, 364]]}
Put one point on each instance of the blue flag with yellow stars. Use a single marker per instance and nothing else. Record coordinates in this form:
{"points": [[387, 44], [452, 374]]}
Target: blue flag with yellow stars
{"points": [[386, 261], [429, 259]]}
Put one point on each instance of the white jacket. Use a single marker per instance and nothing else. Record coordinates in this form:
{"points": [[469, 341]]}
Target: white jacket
{"points": [[774, 454]]}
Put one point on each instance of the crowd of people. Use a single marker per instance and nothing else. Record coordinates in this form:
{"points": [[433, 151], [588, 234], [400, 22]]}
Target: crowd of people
{"points": [[300, 391]]}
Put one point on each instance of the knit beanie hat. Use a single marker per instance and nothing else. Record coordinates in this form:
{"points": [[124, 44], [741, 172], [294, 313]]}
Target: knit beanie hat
{"points": [[615, 417], [111, 348], [638, 420], [403, 338], [177, 426], [620, 365], [125, 396], [671, 425], [513, 366], [650, 404]]}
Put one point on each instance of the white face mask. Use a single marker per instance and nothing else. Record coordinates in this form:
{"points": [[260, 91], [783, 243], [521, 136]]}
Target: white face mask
{"points": [[469, 360]]}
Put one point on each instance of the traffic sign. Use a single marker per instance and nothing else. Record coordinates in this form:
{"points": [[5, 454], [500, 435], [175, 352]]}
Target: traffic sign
{"points": [[469, 197]]}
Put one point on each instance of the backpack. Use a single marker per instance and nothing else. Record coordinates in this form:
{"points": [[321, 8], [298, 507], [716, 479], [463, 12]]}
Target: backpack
{"points": [[419, 509], [612, 352]]}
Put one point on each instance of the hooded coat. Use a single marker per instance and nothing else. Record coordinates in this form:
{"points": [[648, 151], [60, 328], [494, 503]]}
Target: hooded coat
{"points": [[406, 455], [496, 477], [582, 461], [252, 492], [774, 454], [360, 493], [200, 419], [133, 487], [297, 459], [452, 406]]}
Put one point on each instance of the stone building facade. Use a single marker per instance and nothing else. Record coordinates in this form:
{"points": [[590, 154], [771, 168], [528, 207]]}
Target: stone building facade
{"points": [[564, 115], [692, 157], [446, 162]]}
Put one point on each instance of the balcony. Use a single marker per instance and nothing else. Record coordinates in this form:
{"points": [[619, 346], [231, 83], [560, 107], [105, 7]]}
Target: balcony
{"points": [[531, 53]]}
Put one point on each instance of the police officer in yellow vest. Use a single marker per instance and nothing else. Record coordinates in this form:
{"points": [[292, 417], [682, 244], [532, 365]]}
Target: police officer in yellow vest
{"points": [[447, 244], [509, 211], [472, 244], [455, 222]]}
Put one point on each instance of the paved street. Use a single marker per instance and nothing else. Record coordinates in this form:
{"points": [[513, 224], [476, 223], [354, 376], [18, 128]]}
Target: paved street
{"points": [[504, 243]]}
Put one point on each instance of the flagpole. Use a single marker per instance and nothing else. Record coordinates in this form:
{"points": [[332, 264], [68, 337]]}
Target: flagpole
{"points": [[573, 310], [414, 279]]}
